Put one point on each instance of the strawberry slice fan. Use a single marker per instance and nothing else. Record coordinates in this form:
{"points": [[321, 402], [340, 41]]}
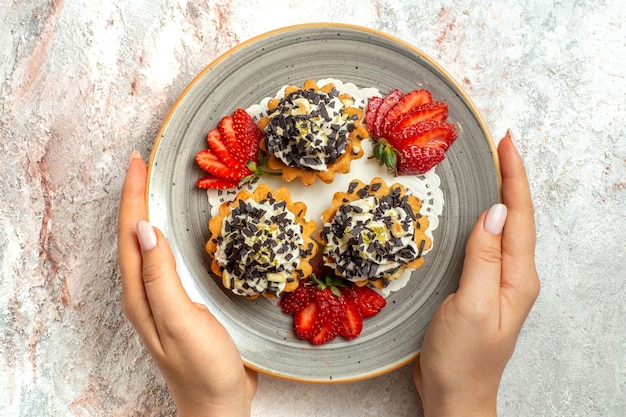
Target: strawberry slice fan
{"points": [[232, 155], [410, 131], [328, 307]]}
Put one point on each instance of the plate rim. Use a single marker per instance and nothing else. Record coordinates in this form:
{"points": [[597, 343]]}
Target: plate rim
{"points": [[328, 26]]}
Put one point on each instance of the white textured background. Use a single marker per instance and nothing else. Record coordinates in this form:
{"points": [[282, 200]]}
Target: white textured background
{"points": [[84, 83]]}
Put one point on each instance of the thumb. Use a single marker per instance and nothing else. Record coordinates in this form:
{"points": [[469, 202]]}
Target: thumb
{"points": [[480, 279], [164, 291]]}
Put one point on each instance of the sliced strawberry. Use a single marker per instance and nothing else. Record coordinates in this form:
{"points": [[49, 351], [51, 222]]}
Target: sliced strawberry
{"points": [[388, 102], [370, 114], [307, 322], [332, 311], [229, 138], [293, 302], [209, 162], [352, 324], [206, 155], [332, 307], [426, 133], [369, 301], [403, 106], [215, 183], [328, 332], [249, 136], [327, 307], [435, 110], [410, 132], [219, 149], [417, 160]]}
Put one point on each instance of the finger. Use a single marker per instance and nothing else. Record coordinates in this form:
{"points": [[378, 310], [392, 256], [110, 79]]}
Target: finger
{"points": [[133, 209], [168, 299], [520, 282], [516, 196], [480, 281]]}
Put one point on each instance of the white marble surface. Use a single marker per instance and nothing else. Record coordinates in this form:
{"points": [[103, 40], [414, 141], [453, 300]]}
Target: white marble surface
{"points": [[84, 83]]}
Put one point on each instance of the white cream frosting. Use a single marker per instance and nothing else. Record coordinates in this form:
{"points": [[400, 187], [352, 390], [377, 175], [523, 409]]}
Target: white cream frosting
{"points": [[370, 239], [266, 240], [308, 129]]}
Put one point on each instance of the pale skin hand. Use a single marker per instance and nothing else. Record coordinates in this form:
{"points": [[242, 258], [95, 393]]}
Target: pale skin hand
{"points": [[473, 333], [197, 357]]}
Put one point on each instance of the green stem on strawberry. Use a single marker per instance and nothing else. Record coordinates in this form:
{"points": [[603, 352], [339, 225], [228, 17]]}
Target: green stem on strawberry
{"points": [[256, 171], [331, 282], [386, 155]]}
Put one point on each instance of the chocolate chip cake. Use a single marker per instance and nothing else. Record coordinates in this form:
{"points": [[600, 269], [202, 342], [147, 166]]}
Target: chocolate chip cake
{"points": [[261, 243], [312, 132], [373, 232]]}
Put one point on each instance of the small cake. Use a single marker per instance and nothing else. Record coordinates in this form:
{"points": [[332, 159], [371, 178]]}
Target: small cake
{"points": [[372, 233], [261, 243], [312, 132]]}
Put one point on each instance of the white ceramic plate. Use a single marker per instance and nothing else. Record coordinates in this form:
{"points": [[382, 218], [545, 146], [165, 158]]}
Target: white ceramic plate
{"points": [[257, 69]]}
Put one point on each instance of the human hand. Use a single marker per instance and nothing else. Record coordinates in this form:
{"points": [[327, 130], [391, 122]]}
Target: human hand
{"points": [[197, 357], [473, 333]]}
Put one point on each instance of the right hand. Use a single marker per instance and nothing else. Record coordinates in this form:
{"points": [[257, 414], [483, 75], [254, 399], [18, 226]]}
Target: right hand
{"points": [[473, 333]]}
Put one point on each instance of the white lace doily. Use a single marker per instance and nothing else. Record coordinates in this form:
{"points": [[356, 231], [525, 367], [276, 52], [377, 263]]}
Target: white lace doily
{"points": [[318, 196]]}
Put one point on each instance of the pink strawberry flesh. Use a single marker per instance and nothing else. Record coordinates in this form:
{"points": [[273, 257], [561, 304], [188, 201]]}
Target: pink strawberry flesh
{"points": [[229, 138], [417, 160], [436, 110], [403, 106], [370, 114], [352, 324], [307, 321], [209, 162], [217, 147], [388, 102], [425, 133], [215, 183]]}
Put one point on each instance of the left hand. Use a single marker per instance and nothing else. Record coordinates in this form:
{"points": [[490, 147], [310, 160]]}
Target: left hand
{"points": [[197, 357]]}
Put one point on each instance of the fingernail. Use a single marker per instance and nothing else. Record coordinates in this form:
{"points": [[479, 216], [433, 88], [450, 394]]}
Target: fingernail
{"points": [[511, 136], [494, 221], [135, 155], [145, 234]]}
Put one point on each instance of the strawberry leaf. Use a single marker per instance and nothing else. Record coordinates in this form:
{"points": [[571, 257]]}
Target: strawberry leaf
{"points": [[256, 171], [386, 155]]}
